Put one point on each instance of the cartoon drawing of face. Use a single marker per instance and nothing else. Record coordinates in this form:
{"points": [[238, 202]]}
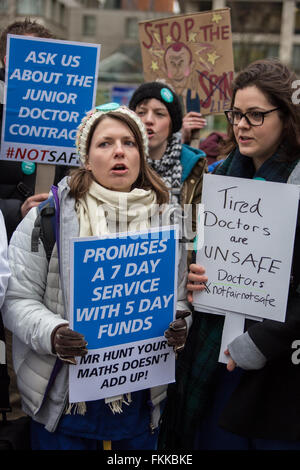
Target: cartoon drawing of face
{"points": [[178, 62]]}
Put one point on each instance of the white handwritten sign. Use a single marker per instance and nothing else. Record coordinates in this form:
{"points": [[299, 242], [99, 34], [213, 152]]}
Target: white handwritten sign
{"points": [[249, 238], [123, 297]]}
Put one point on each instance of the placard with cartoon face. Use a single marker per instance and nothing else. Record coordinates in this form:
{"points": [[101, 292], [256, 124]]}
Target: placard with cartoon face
{"points": [[192, 54]]}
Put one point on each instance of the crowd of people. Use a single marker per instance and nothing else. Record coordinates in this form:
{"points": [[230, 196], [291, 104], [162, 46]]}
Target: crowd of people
{"points": [[140, 155]]}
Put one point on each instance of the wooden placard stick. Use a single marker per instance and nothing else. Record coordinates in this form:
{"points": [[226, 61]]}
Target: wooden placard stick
{"points": [[44, 177]]}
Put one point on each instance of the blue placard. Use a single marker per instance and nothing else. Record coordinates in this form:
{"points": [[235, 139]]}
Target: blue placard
{"points": [[50, 85], [123, 288], [122, 94]]}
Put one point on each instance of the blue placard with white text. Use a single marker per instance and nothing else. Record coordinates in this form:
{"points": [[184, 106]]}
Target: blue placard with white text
{"points": [[123, 297], [123, 288], [50, 86]]}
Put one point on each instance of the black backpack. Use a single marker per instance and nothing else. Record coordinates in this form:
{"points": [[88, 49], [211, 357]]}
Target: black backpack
{"points": [[45, 227]]}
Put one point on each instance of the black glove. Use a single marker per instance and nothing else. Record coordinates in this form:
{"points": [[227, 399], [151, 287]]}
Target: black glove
{"points": [[177, 332], [67, 344]]}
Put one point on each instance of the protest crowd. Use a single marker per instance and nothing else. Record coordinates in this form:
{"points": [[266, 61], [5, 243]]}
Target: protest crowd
{"points": [[138, 169]]}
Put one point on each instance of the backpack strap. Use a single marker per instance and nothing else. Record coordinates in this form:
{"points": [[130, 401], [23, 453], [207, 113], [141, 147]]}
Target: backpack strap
{"points": [[44, 227]]}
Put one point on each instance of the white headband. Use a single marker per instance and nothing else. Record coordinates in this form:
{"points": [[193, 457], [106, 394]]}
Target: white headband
{"points": [[91, 116]]}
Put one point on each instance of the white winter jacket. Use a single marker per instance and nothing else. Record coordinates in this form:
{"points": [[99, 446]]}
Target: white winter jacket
{"points": [[37, 301]]}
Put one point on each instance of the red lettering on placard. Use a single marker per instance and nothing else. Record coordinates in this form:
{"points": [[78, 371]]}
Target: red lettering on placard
{"points": [[215, 86]]}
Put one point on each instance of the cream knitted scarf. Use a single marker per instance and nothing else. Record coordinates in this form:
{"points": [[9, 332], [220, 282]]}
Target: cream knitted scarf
{"points": [[102, 211]]}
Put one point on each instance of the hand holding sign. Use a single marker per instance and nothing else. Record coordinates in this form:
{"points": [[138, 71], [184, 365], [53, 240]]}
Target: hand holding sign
{"points": [[231, 365], [196, 280], [68, 343], [123, 298], [247, 252], [177, 332], [191, 123]]}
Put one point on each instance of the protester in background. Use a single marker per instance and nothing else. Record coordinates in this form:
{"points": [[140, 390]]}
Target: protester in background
{"points": [[212, 145], [112, 144], [181, 167], [17, 179], [253, 402], [17, 187], [17, 182]]}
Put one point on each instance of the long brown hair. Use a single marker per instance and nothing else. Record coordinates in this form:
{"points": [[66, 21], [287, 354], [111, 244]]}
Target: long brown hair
{"points": [[81, 178], [275, 81]]}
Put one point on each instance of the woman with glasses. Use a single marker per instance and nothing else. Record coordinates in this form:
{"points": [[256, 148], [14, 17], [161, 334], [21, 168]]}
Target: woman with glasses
{"points": [[113, 188], [253, 401]]}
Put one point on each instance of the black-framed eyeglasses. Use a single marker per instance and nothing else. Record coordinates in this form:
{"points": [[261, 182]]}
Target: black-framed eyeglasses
{"points": [[253, 118]]}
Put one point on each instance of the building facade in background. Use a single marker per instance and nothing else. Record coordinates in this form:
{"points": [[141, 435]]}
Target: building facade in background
{"points": [[269, 28], [260, 28]]}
